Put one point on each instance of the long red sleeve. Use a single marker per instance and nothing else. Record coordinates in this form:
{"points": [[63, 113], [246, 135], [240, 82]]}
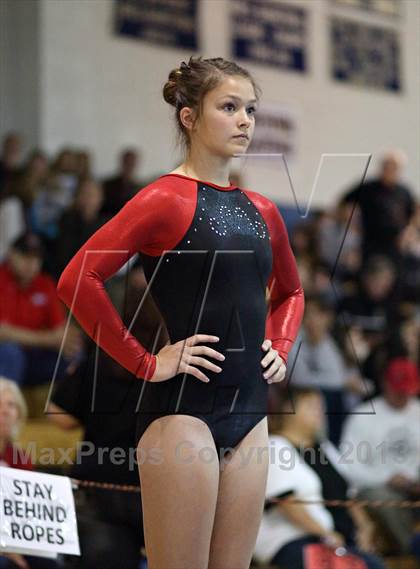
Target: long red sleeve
{"points": [[286, 294], [147, 224]]}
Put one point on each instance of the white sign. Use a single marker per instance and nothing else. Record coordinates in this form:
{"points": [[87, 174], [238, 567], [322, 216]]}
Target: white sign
{"points": [[275, 133], [37, 515]]}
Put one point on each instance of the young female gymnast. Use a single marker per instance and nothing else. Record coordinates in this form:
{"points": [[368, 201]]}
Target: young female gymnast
{"points": [[209, 250]]}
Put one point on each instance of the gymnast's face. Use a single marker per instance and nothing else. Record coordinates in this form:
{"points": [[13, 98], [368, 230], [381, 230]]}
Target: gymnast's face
{"points": [[227, 111]]}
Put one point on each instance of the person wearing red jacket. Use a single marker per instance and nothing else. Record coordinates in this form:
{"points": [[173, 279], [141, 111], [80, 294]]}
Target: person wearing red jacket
{"points": [[32, 319], [209, 250]]}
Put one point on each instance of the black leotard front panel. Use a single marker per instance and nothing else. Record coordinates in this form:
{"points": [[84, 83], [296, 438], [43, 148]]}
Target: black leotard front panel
{"points": [[214, 282]]}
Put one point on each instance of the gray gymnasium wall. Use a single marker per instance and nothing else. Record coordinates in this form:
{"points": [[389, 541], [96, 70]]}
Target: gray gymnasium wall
{"points": [[66, 79]]}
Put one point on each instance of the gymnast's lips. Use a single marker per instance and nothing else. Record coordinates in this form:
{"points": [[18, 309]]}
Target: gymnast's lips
{"points": [[242, 136]]}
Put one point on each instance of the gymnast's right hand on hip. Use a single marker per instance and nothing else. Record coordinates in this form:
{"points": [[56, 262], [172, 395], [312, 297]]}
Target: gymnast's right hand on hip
{"points": [[184, 356]]}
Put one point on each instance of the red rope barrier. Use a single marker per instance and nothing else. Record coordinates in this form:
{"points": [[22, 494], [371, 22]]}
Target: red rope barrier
{"points": [[329, 503]]}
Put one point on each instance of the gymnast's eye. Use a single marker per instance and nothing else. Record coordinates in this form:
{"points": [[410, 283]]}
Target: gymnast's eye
{"points": [[252, 110], [229, 106]]}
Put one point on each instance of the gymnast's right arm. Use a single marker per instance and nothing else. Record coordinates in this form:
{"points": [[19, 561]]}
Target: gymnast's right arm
{"points": [[139, 226]]}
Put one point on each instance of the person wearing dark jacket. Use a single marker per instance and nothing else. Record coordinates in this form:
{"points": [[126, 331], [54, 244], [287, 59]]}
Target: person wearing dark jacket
{"points": [[79, 222], [386, 207]]}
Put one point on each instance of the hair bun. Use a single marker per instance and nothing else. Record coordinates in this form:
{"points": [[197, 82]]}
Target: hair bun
{"points": [[171, 87]]}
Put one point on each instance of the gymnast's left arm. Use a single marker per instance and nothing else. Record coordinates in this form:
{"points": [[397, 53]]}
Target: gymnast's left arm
{"points": [[286, 296]]}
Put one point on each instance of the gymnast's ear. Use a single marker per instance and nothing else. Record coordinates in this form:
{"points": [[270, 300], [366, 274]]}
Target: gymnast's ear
{"points": [[187, 116]]}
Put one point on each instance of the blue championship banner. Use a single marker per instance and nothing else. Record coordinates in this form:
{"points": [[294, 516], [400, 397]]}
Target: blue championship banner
{"points": [[269, 32], [368, 56], [166, 22]]}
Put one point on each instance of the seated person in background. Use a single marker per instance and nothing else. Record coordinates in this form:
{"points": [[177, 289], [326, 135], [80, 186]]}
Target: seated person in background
{"points": [[402, 339], [408, 244], [52, 199], [303, 240], [102, 397], [12, 418], [381, 443], [78, 222], [355, 350], [10, 159], [318, 361], [12, 222], [12, 219], [13, 415], [339, 241], [124, 185], [31, 317], [303, 468], [31, 179], [373, 306], [386, 207]]}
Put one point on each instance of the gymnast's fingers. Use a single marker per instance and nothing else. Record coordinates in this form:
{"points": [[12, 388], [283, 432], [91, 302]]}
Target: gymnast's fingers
{"points": [[195, 372], [273, 369], [192, 340], [269, 357], [280, 374], [197, 361], [206, 351]]}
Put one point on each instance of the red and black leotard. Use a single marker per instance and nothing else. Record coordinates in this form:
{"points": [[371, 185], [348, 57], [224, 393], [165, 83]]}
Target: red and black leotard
{"points": [[208, 252]]}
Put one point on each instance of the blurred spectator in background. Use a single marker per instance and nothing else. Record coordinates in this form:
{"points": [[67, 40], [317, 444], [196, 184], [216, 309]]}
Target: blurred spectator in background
{"points": [[13, 414], [12, 222], [355, 350], [32, 178], [317, 361], [31, 317], [78, 222], [410, 338], [381, 443], [339, 242], [64, 174], [374, 305], [303, 240], [305, 467], [402, 339], [124, 185], [321, 284], [57, 195], [83, 167], [10, 160], [409, 246], [386, 208]]}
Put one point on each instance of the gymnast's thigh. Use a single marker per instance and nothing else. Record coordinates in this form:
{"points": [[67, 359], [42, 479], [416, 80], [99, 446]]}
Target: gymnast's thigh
{"points": [[243, 478], [179, 477]]}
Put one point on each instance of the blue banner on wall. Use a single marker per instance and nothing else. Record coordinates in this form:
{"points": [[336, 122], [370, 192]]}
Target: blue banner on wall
{"points": [[165, 22], [267, 32], [387, 7], [365, 55]]}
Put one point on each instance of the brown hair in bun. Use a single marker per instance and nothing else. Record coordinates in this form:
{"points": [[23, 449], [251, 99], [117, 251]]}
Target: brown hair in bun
{"points": [[187, 85]]}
